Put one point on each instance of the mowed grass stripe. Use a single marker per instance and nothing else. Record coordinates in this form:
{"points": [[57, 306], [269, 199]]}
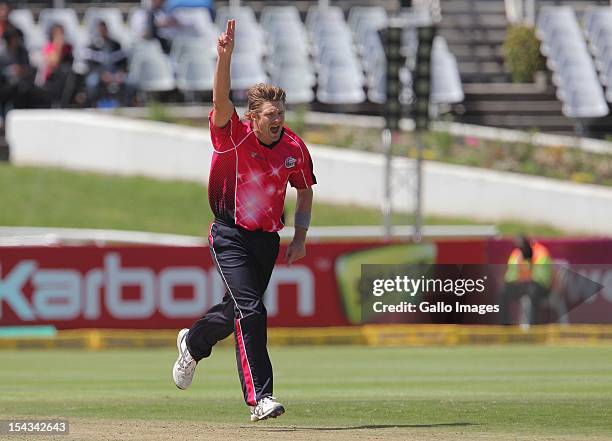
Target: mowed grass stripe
{"points": [[514, 389]]}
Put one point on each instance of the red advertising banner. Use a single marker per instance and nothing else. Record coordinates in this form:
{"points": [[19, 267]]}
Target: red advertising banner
{"points": [[147, 288], [155, 287], [169, 287]]}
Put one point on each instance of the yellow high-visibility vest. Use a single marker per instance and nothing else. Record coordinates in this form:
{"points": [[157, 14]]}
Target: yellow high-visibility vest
{"points": [[539, 269]]}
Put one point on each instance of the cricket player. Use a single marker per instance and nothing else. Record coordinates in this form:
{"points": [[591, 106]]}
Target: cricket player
{"points": [[253, 160]]}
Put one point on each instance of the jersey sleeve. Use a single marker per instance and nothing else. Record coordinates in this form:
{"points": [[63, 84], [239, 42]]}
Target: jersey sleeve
{"points": [[226, 138], [303, 177]]}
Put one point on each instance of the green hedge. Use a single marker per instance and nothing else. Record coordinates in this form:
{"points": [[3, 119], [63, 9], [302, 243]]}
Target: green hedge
{"points": [[522, 53]]}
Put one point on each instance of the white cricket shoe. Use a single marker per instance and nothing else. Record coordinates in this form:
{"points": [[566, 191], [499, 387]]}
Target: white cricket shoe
{"points": [[184, 366], [266, 408]]}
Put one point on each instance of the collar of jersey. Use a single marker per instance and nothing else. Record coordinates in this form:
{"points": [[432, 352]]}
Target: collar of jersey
{"points": [[268, 146]]}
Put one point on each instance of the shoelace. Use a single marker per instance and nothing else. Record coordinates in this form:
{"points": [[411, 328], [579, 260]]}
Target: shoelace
{"points": [[184, 363]]}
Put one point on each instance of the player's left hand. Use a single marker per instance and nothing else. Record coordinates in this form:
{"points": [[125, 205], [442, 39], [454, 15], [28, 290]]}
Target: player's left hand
{"points": [[295, 251]]}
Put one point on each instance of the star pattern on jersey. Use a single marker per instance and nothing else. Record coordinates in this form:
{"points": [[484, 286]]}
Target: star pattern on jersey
{"points": [[250, 186], [276, 172], [254, 200]]}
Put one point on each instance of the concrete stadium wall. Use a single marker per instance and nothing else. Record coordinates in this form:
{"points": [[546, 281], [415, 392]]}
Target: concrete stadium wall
{"points": [[108, 144]]}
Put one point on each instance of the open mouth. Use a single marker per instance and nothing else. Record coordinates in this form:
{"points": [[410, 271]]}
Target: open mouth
{"points": [[275, 130]]}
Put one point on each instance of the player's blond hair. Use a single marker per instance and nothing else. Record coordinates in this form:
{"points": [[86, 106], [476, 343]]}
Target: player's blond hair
{"points": [[261, 93]]}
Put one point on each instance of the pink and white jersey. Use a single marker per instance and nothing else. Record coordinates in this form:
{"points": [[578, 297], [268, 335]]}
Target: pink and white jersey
{"points": [[248, 179]]}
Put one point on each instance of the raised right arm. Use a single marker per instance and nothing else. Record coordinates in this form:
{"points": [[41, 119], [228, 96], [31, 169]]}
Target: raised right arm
{"points": [[222, 105]]}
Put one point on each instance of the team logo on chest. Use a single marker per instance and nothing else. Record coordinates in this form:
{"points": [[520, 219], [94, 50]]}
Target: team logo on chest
{"points": [[290, 162]]}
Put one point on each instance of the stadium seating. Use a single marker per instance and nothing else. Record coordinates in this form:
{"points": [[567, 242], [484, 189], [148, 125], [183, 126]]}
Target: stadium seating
{"points": [[194, 73], [199, 18], [317, 15], [250, 39], [288, 60], [574, 74], [247, 69], [363, 17], [197, 22], [598, 29], [372, 52], [68, 19], [328, 57], [34, 37], [273, 15], [149, 69], [22, 18], [137, 21], [340, 88], [74, 33], [114, 22], [445, 82], [298, 91], [188, 45], [243, 15], [340, 75], [364, 22]]}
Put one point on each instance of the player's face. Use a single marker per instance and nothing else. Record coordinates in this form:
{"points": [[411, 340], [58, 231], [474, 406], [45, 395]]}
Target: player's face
{"points": [[269, 121]]}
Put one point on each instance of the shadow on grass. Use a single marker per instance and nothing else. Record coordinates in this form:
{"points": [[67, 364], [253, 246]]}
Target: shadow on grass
{"points": [[373, 426]]}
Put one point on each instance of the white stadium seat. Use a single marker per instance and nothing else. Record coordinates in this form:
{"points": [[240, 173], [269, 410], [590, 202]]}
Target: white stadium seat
{"points": [[194, 73], [574, 73]]}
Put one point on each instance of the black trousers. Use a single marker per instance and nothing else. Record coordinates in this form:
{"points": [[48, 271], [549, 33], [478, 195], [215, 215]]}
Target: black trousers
{"points": [[245, 260], [513, 291]]}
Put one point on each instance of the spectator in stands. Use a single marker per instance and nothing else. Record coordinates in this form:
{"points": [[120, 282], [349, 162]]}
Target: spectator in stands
{"points": [[107, 67], [529, 273], [161, 25], [17, 88], [5, 25], [56, 73]]}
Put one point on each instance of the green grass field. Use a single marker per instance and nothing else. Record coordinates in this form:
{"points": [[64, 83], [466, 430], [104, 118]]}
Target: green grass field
{"points": [[58, 198], [512, 392]]}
